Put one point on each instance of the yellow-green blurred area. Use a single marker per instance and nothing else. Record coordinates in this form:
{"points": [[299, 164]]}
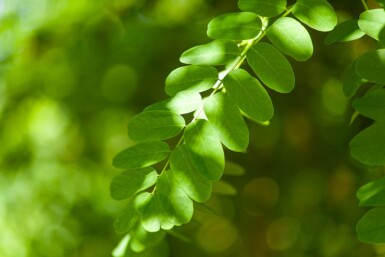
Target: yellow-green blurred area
{"points": [[72, 73]]}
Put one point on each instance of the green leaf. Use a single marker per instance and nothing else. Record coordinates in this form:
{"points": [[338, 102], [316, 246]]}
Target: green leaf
{"points": [[235, 26], [153, 217], [250, 96], [271, 67], [181, 103], [192, 77], [368, 146], [169, 206], [371, 66], [372, 22], [217, 52], [345, 31], [189, 178], [317, 14], [205, 149], [372, 105], [233, 169], [141, 155], [289, 36], [127, 219], [371, 228], [142, 240], [267, 8], [131, 182], [351, 81], [223, 188], [225, 117], [373, 193], [155, 125]]}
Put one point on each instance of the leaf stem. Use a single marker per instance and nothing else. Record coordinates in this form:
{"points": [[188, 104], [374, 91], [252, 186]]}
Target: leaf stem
{"points": [[365, 4]]}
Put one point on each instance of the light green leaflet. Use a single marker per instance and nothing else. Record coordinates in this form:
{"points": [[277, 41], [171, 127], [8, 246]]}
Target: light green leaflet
{"points": [[189, 178], [141, 155], [217, 52], [272, 68], [372, 105], [250, 96], [368, 146], [373, 193], [372, 22], [127, 219], [205, 149], [289, 36], [235, 26], [233, 169], [131, 182], [266, 8], [225, 117], [352, 81], [371, 66], [155, 125], [371, 228], [181, 103], [192, 77], [317, 14], [223, 188], [345, 31], [142, 239]]}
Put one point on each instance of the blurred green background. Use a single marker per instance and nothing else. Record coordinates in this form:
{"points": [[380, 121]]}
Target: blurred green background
{"points": [[72, 73]]}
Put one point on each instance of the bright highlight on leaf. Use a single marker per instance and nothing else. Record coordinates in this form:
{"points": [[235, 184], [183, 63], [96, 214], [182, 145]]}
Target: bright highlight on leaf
{"points": [[345, 31], [372, 22], [235, 26], [317, 14], [131, 182], [217, 52], [250, 96], [271, 67], [371, 66], [370, 228], [181, 103], [155, 125], [225, 117], [141, 155], [266, 8], [189, 178], [368, 146], [205, 149], [289, 36], [192, 77]]}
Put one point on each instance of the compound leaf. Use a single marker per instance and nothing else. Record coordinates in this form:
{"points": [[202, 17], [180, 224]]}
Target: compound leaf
{"points": [[250, 96], [371, 66], [267, 8], [271, 67], [141, 155], [372, 105], [235, 26], [373, 193], [372, 22], [217, 52], [192, 77], [204, 149], [317, 14], [371, 227], [225, 117], [345, 31], [189, 178], [181, 103], [155, 125], [130, 182], [368, 146], [289, 36]]}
